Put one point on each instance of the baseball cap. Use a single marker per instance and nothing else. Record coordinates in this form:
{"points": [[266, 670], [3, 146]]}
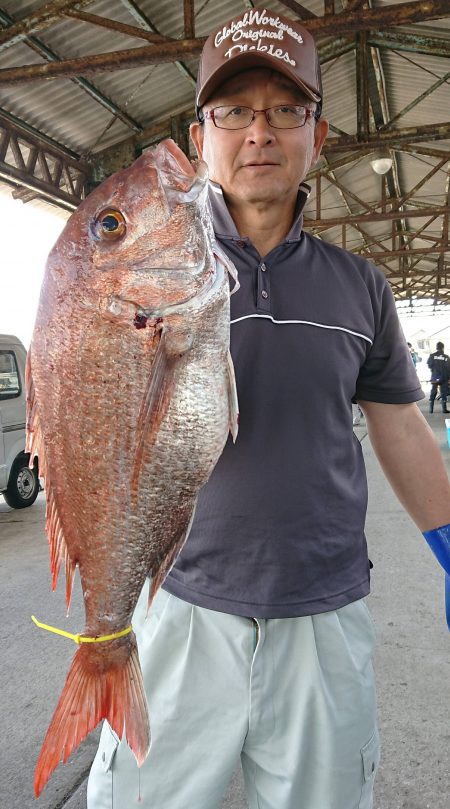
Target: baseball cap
{"points": [[259, 38]]}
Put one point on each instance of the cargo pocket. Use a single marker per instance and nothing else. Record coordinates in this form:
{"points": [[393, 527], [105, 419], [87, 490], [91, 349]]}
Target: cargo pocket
{"points": [[370, 755], [108, 749]]}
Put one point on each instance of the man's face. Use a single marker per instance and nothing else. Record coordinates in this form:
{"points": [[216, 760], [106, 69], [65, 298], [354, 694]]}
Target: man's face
{"points": [[259, 164]]}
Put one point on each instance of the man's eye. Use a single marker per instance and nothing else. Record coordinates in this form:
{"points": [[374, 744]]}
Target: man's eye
{"points": [[236, 111], [286, 109]]}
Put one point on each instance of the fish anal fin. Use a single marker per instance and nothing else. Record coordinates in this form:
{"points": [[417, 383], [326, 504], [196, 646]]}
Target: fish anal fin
{"points": [[163, 570], [90, 695]]}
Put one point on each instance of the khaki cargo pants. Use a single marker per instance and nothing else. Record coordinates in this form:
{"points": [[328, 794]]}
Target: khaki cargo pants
{"points": [[292, 700]]}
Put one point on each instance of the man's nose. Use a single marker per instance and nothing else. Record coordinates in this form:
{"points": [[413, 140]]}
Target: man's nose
{"points": [[260, 130]]}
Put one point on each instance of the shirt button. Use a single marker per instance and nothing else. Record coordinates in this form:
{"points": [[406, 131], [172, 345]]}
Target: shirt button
{"points": [[264, 294], [240, 243]]}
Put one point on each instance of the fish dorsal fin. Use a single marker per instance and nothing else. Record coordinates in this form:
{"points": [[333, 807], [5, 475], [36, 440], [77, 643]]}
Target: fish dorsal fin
{"points": [[35, 446]]}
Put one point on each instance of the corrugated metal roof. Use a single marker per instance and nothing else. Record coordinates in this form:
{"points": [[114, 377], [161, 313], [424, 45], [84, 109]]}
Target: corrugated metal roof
{"points": [[65, 112]]}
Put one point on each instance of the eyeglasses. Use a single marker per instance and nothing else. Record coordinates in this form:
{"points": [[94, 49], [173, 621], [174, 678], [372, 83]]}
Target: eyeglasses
{"points": [[285, 116]]}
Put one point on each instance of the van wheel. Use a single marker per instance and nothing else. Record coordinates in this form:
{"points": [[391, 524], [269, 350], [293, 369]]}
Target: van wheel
{"points": [[23, 484]]}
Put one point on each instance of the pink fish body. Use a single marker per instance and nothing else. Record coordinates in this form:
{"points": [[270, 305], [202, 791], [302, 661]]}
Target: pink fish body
{"points": [[130, 398]]}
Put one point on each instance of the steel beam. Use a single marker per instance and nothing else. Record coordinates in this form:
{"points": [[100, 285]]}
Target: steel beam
{"points": [[120, 27], [37, 20], [410, 251], [104, 62], [391, 137], [49, 171], [348, 22], [362, 90], [143, 20], [50, 56], [413, 43], [417, 100], [334, 221], [301, 12], [344, 23], [189, 19]]}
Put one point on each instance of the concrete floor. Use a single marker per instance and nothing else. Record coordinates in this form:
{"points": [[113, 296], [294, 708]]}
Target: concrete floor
{"points": [[412, 658]]}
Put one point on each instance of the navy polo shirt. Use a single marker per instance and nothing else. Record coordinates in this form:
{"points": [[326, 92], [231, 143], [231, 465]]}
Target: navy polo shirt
{"points": [[279, 527]]}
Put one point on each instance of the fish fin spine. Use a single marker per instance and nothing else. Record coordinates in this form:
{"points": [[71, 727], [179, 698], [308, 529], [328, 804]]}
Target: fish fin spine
{"points": [[116, 694]]}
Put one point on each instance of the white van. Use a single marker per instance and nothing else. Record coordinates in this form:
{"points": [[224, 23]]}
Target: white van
{"points": [[18, 483]]}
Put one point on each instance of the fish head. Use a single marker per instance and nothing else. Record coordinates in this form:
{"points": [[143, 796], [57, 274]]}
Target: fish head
{"points": [[141, 241]]}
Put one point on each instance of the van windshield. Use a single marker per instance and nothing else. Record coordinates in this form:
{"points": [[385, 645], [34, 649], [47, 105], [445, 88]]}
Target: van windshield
{"points": [[9, 375]]}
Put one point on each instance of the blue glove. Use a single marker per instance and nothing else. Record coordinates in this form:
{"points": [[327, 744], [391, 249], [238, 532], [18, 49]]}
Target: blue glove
{"points": [[439, 542]]}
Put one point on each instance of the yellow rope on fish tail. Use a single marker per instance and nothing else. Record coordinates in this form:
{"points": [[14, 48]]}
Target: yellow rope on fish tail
{"points": [[77, 638]]}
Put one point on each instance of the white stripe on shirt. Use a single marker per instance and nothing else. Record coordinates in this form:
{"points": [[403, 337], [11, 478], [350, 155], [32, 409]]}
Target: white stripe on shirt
{"points": [[304, 323]]}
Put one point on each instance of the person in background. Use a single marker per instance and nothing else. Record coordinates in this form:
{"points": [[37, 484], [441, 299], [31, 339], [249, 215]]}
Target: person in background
{"points": [[357, 415], [414, 356], [439, 365], [258, 647]]}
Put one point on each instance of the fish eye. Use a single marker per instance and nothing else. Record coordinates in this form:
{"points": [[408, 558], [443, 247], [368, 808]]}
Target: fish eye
{"points": [[109, 224]]}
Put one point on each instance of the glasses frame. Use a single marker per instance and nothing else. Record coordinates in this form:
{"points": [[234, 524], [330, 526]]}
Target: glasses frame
{"points": [[309, 113]]}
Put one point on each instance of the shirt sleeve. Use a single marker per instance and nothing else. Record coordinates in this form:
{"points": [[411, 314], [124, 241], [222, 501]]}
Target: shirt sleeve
{"points": [[387, 375]]}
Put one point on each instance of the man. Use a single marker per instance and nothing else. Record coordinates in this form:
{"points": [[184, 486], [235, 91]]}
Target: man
{"points": [[258, 647], [439, 365], [414, 356]]}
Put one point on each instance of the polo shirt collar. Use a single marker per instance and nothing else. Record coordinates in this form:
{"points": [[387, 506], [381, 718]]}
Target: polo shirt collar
{"points": [[224, 225]]}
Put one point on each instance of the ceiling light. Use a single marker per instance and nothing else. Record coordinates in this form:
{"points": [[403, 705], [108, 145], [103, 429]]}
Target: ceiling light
{"points": [[381, 162]]}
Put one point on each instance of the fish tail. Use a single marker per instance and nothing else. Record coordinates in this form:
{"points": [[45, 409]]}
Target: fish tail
{"points": [[92, 693]]}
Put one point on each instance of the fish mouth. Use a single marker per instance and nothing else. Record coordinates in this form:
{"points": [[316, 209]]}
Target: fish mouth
{"points": [[181, 183]]}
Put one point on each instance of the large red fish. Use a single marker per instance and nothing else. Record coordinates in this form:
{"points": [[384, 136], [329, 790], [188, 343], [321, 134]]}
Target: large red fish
{"points": [[131, 395]]}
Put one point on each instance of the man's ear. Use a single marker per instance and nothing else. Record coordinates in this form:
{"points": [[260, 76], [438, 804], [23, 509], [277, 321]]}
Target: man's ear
{"points": [[320, 133], [196, 131]]}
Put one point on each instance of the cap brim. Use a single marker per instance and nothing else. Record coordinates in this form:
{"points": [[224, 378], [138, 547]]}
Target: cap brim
{"points": [[245, 61]]}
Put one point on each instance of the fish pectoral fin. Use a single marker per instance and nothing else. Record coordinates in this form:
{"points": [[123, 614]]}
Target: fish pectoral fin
{"points": [[154, 405], [35, 446], [164, 568], [222, 257], [233, 403]]}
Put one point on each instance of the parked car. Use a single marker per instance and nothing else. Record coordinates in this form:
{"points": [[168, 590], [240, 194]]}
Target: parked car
{"points": [[19, 484]]}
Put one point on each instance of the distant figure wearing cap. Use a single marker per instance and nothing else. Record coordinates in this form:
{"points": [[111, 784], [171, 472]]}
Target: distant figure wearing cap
{"points": [[258, 648], [439, 365]]}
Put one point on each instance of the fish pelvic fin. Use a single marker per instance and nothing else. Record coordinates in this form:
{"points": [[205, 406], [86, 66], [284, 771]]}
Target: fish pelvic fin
{"points": [[92, 693], [35, 446]]}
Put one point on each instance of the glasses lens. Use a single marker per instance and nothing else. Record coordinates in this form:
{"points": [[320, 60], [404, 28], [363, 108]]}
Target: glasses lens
{"points": [[232, 117], [287, 116]]}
